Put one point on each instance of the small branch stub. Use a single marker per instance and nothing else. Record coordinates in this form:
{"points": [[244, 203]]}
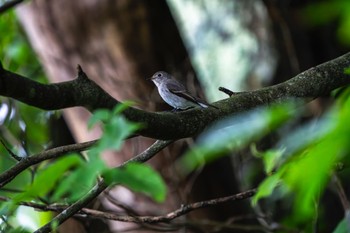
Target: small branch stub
{"points": [[81, 73]]}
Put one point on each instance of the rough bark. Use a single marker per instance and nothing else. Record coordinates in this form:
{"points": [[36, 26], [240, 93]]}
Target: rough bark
{"points": [[315, 82]]}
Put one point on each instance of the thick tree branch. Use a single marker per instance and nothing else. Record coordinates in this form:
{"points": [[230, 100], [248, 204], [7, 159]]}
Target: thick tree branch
{"points": [[313, 83], [78, 92]]}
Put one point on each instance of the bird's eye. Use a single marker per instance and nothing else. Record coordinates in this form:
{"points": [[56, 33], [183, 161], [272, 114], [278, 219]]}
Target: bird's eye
{"points": [[159, 75]]}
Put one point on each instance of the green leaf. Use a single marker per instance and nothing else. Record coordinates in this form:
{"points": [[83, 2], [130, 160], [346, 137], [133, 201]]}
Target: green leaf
{"points": [[105, 115], [47, 178], [122, 107], [271, 159], [100, 115], [326, 12], [343, 29], [54, 225], [82, 179], [267, 187], [21, 180], [342, 227], [322, 12], [19, 230], [347, 70], [115, 129], [310, 154], [307, 180], [139, 178], [114, 132], [44, 182]]}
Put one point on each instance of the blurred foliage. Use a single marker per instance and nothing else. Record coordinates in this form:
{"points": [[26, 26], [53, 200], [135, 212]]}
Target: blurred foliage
{"points": [[15, 51], [344, 225], [115, 127], [328, 11], [235, 133], [69, 178], [22, 128], [139, 178], [300, 165]]}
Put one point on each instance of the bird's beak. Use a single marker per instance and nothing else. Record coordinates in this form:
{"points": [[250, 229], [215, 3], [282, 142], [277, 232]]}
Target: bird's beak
{"points": [[150, 78]]}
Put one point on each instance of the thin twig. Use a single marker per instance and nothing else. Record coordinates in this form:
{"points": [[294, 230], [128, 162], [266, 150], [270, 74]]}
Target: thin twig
{"points": [[184, 209], [341, 193], [127, 209], [36, 205], [149, 152], [13, 155], [26, 162]]}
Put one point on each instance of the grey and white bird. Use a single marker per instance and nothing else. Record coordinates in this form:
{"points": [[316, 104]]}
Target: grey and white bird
{"points": [[175, 94]]}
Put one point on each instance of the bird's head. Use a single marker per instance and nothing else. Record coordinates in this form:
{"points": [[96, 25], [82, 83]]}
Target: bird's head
{"points": [[159, 77]]}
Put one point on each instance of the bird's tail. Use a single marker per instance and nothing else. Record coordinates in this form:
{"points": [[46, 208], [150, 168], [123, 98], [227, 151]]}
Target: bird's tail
{"points": [[205, 104], [202, 105]]}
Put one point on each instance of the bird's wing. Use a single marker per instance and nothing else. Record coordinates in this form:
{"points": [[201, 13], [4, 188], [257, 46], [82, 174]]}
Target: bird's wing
{"points": [[179, 90]]}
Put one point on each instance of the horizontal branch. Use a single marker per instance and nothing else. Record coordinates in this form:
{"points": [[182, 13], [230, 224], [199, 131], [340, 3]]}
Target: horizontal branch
{"points": [[78, 92], [310, 84]]}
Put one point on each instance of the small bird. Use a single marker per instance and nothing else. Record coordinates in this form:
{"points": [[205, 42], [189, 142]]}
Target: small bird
{"points": [[175, 94]]}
